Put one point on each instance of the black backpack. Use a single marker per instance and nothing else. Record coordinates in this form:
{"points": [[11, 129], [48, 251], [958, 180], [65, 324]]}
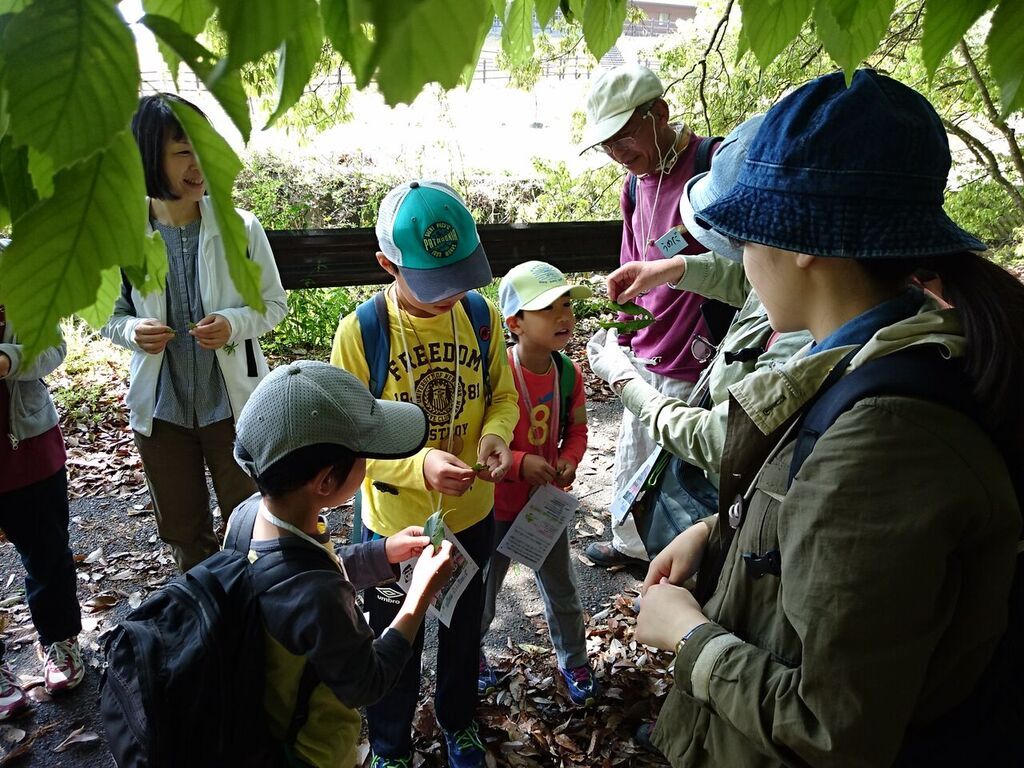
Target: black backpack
{"points": [[985, 729], [184, 677]]}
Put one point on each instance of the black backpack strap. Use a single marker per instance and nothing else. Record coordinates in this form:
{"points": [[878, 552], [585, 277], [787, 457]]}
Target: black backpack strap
{"points": [[631, 188], [307, 684], [706, 148], [918, 372], [240, 524]]}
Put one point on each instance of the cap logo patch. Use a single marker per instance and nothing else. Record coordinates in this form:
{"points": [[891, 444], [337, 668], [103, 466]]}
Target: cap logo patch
{"points": [[546, 275], [440, 240]]}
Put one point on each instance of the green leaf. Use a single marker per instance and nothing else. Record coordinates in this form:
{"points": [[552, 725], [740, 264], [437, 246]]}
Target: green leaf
{"points": [[602, 24], [93, 221], [297, 57], [253, 31], [19, 194], [517, 32], [13, 6], [850, 45], [545, 11], [40, 168], [944, 24], [770, 25], [343, 23], [72, 77], [227, 88], [151, 274], [97, 313], [425, 41], [190, 15], [220, 165], [1006, 54]]}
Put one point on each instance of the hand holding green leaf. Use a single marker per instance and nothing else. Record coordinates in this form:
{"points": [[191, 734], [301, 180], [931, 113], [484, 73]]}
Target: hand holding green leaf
{"points": [[643, 317]]}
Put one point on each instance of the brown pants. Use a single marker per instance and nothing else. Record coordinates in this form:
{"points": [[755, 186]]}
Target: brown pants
{"points": [[173, 459]]}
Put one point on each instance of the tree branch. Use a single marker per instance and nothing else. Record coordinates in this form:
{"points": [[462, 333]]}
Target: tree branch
{"points": [[990, 109], [989, 160]]}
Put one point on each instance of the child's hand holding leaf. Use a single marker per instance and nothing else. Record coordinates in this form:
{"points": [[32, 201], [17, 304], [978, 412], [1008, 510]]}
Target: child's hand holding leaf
{"points": [[407, 543]]}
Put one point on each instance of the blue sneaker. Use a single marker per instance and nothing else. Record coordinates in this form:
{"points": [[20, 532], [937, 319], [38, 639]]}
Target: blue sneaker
{"points": [[487, 681], [583, 688], [465, 750], [390, 762]]}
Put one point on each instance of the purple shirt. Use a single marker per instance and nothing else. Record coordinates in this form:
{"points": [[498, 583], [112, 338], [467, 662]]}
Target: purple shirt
{"points": [[667, 341]]}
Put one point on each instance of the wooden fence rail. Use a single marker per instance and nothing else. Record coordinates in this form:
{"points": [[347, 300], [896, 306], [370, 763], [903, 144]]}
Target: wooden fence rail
{"points": [[323, 258]]}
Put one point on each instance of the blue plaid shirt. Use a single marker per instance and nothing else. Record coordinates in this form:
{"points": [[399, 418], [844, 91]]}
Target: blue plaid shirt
{"points": [[191, 391]]}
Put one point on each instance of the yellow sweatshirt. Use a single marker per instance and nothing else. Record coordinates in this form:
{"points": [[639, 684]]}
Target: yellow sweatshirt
{"points": [[425, 365]]}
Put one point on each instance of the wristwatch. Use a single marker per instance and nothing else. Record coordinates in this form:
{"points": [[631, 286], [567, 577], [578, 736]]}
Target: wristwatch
{"points": [[684, 638]]}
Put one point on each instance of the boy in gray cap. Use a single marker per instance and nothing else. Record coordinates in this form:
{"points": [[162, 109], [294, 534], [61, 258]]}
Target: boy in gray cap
{"points": [[304, 437]]}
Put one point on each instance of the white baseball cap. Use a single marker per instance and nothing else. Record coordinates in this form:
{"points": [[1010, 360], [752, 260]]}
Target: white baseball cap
{"points": [[614, 97]]}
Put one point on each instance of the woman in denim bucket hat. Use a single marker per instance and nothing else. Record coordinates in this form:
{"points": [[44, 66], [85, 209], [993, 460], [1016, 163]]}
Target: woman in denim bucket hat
{"points": [[845, 615]]}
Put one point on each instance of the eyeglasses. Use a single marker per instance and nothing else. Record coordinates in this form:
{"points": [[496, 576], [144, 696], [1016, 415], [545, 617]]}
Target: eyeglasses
{"points": [[625, 142], [702, 349]]}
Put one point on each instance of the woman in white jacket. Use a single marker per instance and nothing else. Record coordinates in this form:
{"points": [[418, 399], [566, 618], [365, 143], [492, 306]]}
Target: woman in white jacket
{"points": [[196, 357]]}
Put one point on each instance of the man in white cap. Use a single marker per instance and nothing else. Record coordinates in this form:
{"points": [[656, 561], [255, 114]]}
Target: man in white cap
{"points": [[629, 120]]}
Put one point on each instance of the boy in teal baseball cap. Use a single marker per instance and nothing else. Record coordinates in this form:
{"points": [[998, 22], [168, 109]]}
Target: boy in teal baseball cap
{"points": [[426, 339]]}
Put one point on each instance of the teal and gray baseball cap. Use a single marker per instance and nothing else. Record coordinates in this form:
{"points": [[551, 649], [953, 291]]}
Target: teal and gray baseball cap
{"points": [[425, 229]]}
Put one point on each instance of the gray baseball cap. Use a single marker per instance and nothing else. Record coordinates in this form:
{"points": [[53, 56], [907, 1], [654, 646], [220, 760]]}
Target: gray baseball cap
{"points": [[309, 402]]}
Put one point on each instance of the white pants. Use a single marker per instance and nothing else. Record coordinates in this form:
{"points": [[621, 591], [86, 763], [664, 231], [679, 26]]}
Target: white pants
{"points": [[635, 444]]}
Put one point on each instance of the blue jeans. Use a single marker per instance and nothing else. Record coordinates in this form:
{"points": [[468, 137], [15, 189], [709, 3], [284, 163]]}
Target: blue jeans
{"points": [[35, 519], [458, 647], [556, 581]]}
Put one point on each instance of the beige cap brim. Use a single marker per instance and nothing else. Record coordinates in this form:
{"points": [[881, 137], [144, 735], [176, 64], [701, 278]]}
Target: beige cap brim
{"points": [[546, 299], [604, 130]]}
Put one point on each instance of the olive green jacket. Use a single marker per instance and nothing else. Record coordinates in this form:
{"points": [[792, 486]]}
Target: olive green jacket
{"points": [[697, 435], [897, 542]]}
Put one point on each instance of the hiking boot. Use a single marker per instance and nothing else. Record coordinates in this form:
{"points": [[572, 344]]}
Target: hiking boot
{"points": [[391, 762], [642, 736], [465, 750], [63, 668], [583, 688], [604, 554], [13, 700], [487, 681]]}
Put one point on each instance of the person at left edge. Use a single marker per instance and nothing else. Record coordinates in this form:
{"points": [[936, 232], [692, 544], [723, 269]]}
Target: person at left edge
{"points": [[196, 358]]}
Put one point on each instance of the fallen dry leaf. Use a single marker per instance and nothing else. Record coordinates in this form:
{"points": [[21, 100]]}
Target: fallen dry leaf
{"points": [[77, 736]]}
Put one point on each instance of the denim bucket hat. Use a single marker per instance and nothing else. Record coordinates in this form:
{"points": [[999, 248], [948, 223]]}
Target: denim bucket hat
{"points": [[856, 172], [705, 188]]}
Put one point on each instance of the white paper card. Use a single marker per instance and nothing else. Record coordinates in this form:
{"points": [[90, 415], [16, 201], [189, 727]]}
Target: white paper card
{"points": [[443, 604], [538, 526], [672, 242], [622, 502]]}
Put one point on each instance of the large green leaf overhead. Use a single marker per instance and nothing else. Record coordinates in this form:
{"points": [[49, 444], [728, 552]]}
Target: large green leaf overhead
{"points": [[94, 220], [343, 23], [254, 28], [220, 165], [602, 24], [227, 88], [1006, 53], [297, 57], [190, 15], [850, 30], [425, 41], [944, 24], [517, 31], [770, 25], [72, 77]]}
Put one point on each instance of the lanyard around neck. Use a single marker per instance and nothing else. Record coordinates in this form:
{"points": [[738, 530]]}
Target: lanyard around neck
{"points": [[550, 447], [273, 519]]}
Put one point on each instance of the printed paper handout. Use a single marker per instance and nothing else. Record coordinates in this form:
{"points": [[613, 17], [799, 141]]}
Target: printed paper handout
{"points": [[622, 502], [444, 602], [538, 526]]}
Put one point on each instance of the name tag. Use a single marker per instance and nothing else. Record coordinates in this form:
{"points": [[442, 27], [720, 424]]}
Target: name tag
{"points": [[672, 242]]}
